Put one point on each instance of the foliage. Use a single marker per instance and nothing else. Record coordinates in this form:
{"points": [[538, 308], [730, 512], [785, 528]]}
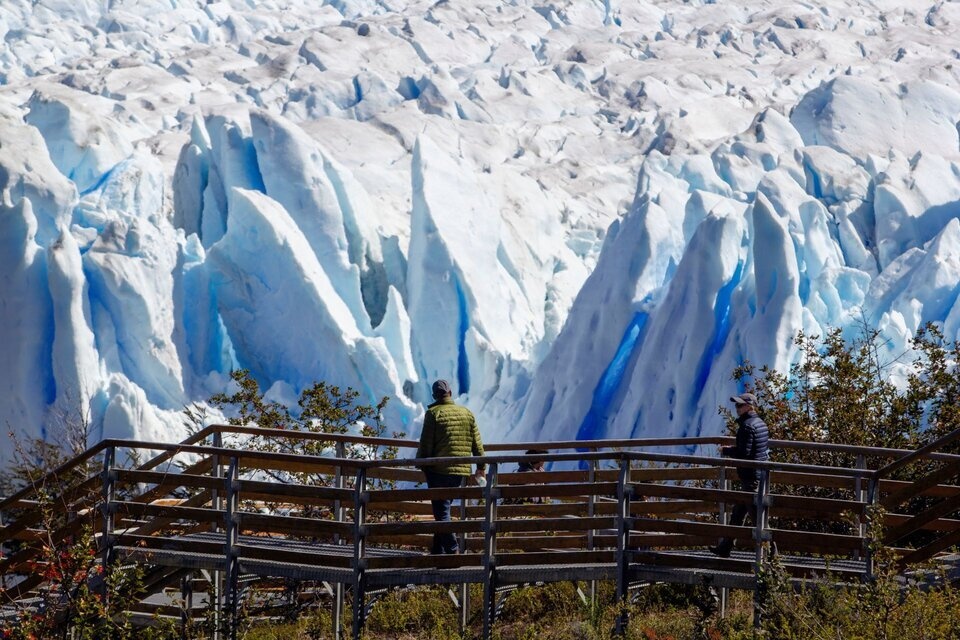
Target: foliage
{"points": [[817, 611], [935, 382], [884, 608], [429, 612], [79, 597], [321, 409], [34, 458], [552, 611], [840, 391]]}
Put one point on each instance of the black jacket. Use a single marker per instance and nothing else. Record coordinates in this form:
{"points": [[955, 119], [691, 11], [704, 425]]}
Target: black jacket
{"points": [[752, 442]]}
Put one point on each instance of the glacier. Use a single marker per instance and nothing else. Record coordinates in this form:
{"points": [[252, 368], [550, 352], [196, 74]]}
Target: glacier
{"points": [[583, 214]]}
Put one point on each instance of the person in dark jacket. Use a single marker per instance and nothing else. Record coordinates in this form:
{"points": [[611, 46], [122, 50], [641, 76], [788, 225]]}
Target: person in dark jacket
{"points": [[752, 439], [533, 463], [449, 431]]}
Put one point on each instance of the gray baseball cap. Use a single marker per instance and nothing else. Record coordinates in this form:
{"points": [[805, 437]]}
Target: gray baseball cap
{"points": [[441, 389], [744, 398]]}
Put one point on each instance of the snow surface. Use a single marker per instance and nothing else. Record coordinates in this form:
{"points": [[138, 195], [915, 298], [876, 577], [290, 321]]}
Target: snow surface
{"points": [[583, 214]]}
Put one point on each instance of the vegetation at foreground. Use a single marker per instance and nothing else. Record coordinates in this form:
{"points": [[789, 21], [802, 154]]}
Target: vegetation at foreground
{"points": [[840, 391], [881, 611], [80, 599]]}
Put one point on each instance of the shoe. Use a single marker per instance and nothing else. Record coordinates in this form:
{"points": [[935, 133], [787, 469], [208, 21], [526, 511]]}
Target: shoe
{"points": [[720, 551]]}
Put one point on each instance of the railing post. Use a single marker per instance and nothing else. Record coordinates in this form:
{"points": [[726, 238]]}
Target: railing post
{"points": [[186, 599], [109, 477], [591, 512], [231, 552], [859, 494], [724, 517], [490, 494], [216, 471], [464, 587], [623, 542], [359, 551], [338, 511], [761, 501], [858, 491], [872, 498], [3, 552], [724, 486]]}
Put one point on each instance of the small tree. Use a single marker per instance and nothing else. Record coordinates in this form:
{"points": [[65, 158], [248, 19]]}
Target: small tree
{"points": [[79, 598], [840, 391], [321, 408], [934, 386], [885, 607]]}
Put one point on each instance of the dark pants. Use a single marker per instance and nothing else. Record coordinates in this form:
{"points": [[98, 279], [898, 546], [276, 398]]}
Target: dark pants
{"points": [[443, 542], [747, 482]]}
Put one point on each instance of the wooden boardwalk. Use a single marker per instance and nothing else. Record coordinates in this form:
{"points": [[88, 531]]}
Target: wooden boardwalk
{"points": [[211, 520]]}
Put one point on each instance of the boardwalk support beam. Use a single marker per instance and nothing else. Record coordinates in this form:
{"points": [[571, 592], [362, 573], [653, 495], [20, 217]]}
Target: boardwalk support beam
{"points": [[761, 502], [231, 552], [359, 551], [216, 606], [872, 500], [339, 481], [465, 587], [724, 518], [623, 541], [186, 604], [591, 512], [490, 553], [109, 476]]}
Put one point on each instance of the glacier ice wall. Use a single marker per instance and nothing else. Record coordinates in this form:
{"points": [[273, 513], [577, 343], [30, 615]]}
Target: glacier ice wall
{"points": [[582, 214]]}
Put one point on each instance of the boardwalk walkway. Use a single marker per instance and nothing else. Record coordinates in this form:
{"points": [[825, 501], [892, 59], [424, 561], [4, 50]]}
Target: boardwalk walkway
{"points": [[215, 522]]}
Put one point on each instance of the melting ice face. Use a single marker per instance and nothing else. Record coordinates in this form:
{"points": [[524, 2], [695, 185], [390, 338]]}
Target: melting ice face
{"points": [[585, 214]]}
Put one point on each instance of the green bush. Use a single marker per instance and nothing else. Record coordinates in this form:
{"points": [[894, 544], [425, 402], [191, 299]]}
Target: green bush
{"points": [[839, 391], [426, 612], [321, 408]]}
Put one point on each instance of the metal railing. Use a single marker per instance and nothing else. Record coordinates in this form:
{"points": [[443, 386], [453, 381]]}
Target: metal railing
{"points": [[612, 510]]}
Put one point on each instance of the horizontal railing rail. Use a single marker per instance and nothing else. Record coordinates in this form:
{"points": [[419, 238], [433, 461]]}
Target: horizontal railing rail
{"points": [[579, 445]]}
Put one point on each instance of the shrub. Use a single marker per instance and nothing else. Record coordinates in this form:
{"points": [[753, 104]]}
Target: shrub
{"points": [[79, 598], [321, 408], [839, 391]]}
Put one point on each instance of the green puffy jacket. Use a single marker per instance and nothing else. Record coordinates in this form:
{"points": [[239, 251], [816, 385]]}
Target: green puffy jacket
{"points": [[449, 431]]}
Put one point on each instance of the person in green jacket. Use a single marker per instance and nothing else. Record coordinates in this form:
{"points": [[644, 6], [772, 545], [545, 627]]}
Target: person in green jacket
{"points": [[449, 431]]}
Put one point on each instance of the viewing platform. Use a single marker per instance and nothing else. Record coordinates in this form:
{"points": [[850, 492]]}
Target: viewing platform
{"points": [[214, 521]]}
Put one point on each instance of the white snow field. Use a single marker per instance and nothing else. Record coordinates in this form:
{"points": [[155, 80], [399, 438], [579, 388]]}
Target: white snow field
{"points": [[582, 213]]}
